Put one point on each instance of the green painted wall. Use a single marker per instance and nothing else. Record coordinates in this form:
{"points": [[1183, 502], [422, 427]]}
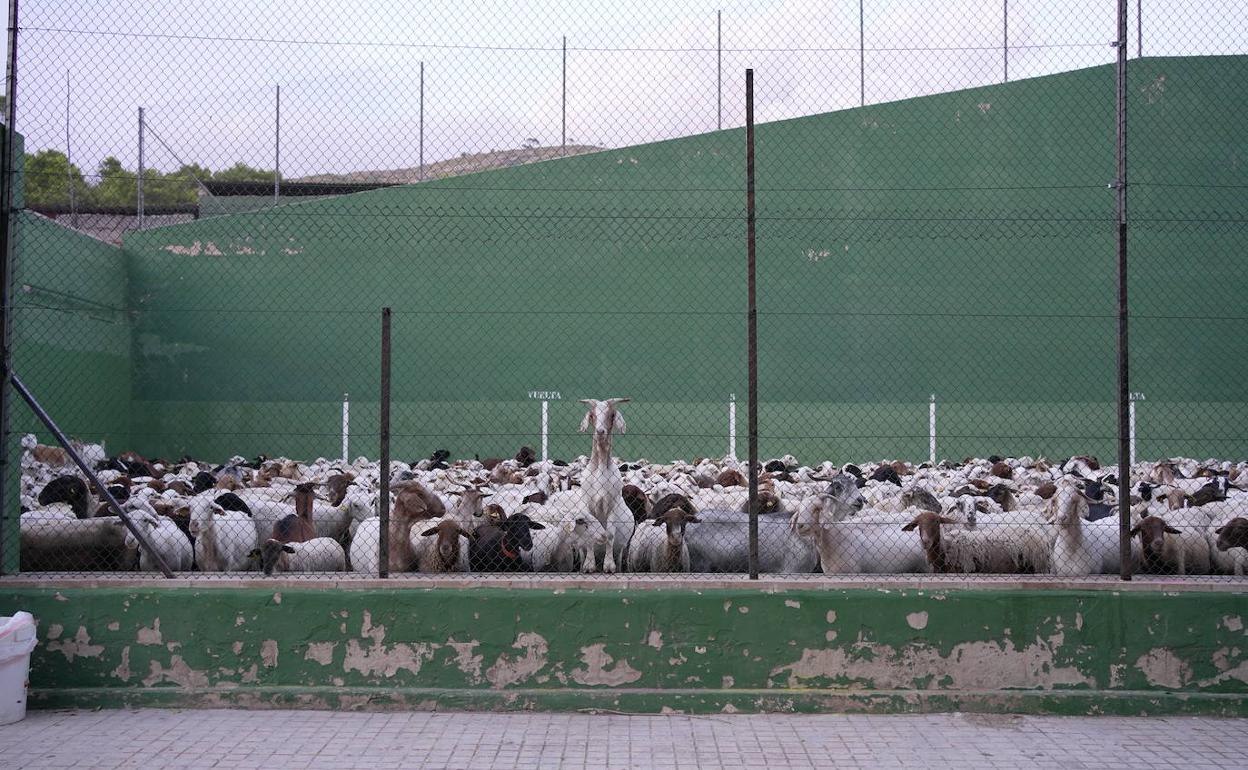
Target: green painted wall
{"points": [[1053, 650], [960, 244], [71, 341]]}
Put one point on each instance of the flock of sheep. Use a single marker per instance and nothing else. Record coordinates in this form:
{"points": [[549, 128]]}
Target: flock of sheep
{"points": [[595, 514]]}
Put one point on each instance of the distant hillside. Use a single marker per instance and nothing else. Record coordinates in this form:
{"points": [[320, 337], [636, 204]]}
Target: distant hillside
{"points": [[464, 164]]}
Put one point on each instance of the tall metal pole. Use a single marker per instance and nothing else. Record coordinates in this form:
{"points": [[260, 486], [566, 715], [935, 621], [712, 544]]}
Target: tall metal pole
{"points": [[69, 162], [751, 321], [277, 146], [422, 122], [862, 64], [1139, 28], [1005, 37], [139, 178], [383, 540], [8, 522], [1124, 395], [563, 120], [719, 70]]}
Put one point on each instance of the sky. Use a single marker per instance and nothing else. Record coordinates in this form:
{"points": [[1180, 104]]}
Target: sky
{"points": [[206, 71]]}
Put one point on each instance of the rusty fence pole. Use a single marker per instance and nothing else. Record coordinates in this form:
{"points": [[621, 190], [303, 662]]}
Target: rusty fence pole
{"points": [[752, 321], [383, 501], [1124, 383]]}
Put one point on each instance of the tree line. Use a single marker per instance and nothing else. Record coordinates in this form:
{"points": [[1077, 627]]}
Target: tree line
{"points": [[49, 177]]}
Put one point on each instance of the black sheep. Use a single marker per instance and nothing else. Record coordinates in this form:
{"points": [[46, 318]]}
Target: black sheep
{"points": [[497, 547]]}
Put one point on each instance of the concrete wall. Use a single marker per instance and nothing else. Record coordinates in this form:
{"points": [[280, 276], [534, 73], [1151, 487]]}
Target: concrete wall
{"points": [[1110, 649]]}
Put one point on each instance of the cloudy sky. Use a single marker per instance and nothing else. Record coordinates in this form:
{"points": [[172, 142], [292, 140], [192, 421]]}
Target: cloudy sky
{"points": [[205, 70]]}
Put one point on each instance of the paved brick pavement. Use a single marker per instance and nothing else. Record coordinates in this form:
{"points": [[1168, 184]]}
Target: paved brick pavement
{"points": [[382, 741]]}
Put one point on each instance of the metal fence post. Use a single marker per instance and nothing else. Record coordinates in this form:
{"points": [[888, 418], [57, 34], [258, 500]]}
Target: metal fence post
{"points": [[563, 116], [383, 538], [139, 179], [719, 70], [862, 66], [69, 160], [422, 122], [1124, 395], [752, 321], [9, 481], [1005, 37], [277, 146]]}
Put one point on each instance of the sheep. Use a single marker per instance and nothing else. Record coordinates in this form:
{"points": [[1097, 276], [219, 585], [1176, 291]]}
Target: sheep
{"points": [[601, 482], [1081, 547], [53, 456], [1229, 542], [1186, 553], [166, 538], [564, 546], [498, 547], [720, 543], [321, 554], [652, 550], [848, 542], [439, 548], [72, 490], [1005, 547], [297, 527], [223, 539], [54, 539]]}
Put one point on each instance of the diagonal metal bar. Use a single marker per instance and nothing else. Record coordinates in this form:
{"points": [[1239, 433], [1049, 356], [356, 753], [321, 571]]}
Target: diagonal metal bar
{"points": [[113, 505]]}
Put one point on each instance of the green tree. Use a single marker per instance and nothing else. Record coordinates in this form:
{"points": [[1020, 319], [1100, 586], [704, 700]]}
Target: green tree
{"points": [[241, 172], [48, 177], [115, 185]]}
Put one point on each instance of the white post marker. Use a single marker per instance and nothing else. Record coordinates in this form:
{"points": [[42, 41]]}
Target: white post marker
{"points": [[1134, 396], [545, 396], [732, 425], [346, 429], [931, 430], [545, 430]]}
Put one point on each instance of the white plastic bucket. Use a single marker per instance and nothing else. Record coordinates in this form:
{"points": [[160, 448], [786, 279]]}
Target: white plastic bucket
{"points": [[17, 640]]}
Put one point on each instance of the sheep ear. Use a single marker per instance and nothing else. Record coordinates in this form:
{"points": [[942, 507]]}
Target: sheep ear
{"points": [[1134, 531], [535, 525], [614, 401], [619, 423], [1218, 531], [288, 548], [909, 527], [692, 519], [658, 523], [1171, 530], [430, 531], [465, 533], [944, 520], [585, 420]]}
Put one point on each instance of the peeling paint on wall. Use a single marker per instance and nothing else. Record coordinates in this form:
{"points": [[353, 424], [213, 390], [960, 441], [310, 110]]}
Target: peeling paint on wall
{"points": [[692, 651], [596, 671]]}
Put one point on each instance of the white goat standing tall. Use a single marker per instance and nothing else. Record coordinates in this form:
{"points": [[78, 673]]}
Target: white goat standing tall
{"points": [[601, 483]]}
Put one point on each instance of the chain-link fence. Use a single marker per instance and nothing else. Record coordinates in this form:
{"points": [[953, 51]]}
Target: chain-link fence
{"points": [[211, 205]]}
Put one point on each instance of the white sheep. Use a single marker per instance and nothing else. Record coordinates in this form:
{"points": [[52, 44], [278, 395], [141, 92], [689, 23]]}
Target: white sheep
{"points": [[166, 538], [659, 545], [601, 482], [567, 544], [853, 543], [1081, 547], [223, 539], [321, 554]]}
